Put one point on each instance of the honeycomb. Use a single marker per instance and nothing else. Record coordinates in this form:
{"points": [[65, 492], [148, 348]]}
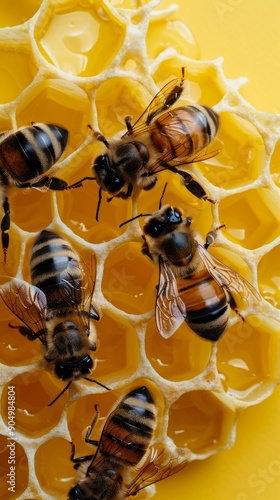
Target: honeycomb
{"points": [[80, 62]]}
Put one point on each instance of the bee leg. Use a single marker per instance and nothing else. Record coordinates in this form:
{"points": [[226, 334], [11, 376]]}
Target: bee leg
{"points": [[123, 195], [26, 332], [5, 226], [194, 187], [175, 93], [78, 460], [91, 427], [145, 248], [100, 138], [128, 121], [151, 185], [126, 195], [211, 236], [48, 183], [92, 314], [233, 306], [170, 99], [240, 315], [80, 182]]}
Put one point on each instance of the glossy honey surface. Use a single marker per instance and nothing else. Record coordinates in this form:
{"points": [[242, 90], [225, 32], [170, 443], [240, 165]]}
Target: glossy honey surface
{"points": [[80, 62]]}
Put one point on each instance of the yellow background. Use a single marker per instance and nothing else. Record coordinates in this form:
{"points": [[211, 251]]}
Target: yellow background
{"points": [[246, 34]]}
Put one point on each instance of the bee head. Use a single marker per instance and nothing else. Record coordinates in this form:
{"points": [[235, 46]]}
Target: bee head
{"points": [[105, 484], [106, 176], [71, 370], [163, 221], [77, 493]]}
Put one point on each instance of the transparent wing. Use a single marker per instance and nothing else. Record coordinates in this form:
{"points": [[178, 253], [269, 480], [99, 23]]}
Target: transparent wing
{"points": [[165, 98], [243, 293], [158, 466], [27, 302], [179, 155], [78, 287], [170, 309]]}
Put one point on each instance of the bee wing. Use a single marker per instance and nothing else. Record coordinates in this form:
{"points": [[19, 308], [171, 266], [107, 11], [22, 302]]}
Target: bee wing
{"points": [[201, 154], [27, 302], [165, 98], [79, 286], [170, 309], [175, 157], [238, 287], [158, 466]]}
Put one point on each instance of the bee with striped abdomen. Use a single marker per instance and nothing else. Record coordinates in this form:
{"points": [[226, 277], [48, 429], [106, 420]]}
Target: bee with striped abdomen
{"points": [[124, 461], [25, 157], [193, 285], [57, 307], [162, 138]]}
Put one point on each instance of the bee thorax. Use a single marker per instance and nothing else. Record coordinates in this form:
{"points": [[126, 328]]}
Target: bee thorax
{"points": [[178, 248]]}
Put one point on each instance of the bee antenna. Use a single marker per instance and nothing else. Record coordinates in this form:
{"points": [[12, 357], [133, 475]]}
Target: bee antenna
{"points": [[98, 204], [60, 394], [161, 198], [134, 218], [96, 382]]}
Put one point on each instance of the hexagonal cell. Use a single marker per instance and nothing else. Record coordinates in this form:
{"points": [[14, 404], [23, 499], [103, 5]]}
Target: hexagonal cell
{"points": [[241, 157], [17, 72], [269, 276], [25, 207], [13, 468], [59, 102], [117, 98], [181, 357], [53, 467], [34, 390], [274, 164], [251, 218], [173, 33], [204, 421], [248, 358], [20, 12], [15, 349], [118, 352], [129, 279], [80, 39]]}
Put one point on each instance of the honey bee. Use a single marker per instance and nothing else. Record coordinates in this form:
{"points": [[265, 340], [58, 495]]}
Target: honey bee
{"points": [[56, 307], [161, 139], [124, 461], [25, 156], [193, 285]]}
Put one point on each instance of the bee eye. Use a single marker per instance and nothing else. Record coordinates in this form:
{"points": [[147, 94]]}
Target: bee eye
{"points": [[65, 370], [77, 493], [101, 163], [154, 229], [86, 365], [106, 176]]}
